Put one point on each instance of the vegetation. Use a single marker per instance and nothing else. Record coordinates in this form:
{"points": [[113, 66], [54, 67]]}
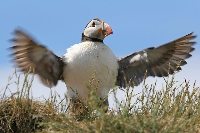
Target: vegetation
{"points": [[171, 109]]}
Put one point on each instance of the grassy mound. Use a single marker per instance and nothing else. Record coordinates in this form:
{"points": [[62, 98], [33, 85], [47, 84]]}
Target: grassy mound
{"points": [[172, 109]]}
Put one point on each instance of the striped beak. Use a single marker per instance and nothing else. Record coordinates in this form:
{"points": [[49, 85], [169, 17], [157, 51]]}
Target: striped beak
{"points": [[108, 30]]}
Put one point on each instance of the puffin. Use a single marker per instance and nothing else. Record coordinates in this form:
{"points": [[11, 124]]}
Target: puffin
{"points": [[91, 64]]}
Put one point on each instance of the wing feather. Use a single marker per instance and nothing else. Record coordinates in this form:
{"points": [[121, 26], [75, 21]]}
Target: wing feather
{"points": [[32, 57], [160, 61]]}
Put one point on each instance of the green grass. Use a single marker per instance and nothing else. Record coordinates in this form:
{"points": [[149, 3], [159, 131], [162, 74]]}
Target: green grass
{"points": [[172, 109]]}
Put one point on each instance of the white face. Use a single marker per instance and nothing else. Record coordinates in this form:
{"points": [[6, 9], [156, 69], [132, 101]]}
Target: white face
{"points": [[96, 28]]}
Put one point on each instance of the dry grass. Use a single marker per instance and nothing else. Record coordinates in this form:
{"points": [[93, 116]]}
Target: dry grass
{"points": [[172, 109]]}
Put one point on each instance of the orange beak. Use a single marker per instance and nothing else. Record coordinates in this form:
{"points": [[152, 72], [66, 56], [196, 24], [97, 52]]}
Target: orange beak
{"points": [[108, 30]]}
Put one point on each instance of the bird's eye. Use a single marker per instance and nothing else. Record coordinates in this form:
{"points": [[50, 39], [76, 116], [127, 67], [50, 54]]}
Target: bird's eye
{"points": [[93, 24]]}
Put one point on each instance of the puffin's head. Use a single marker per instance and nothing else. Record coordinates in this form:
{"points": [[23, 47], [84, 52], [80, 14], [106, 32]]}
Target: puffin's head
{"points": [[97, 29]]}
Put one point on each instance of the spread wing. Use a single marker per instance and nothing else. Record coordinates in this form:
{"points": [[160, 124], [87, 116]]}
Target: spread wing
{"points": [[160, 61], [32, 57]]}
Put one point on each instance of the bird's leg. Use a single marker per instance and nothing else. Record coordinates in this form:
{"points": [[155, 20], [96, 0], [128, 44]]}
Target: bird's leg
{"points": [[104, 104], [80, 110], [77, 106]]}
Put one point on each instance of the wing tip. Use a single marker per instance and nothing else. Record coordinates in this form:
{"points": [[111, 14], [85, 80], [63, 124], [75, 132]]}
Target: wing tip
{"points": [[191, 34]]}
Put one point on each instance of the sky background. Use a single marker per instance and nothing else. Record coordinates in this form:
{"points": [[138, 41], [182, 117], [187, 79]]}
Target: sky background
{"points": [[136, 25]]}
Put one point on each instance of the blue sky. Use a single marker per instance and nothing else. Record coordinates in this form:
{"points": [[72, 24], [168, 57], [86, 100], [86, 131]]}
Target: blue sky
{"points": [[136, 25]]}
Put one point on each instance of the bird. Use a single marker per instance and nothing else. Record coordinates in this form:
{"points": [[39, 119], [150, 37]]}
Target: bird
{"points": [[92, 63]]}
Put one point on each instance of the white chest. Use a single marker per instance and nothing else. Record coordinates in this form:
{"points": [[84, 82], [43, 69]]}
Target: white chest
{"points": [[89, 64]]}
